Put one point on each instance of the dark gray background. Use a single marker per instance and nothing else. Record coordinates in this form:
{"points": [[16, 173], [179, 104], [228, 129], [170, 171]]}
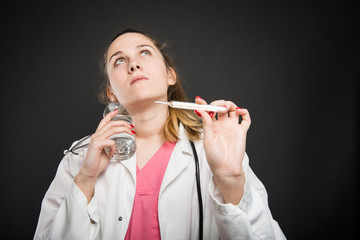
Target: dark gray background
{"points": [[294, 64]]}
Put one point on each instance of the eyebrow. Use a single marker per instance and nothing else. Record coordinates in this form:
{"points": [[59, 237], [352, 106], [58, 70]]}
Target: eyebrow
{"points": [[138, 46]]}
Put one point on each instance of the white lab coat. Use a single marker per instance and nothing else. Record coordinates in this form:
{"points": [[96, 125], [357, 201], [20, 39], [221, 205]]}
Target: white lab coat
{"points": [[66, 214]]}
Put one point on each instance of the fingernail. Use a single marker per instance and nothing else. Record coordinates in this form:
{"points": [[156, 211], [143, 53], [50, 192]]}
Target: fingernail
{"points": [[211, 114], [238, 108], [198, 97], [197, 113], [115, 109], [133, 131], [131, 125]]}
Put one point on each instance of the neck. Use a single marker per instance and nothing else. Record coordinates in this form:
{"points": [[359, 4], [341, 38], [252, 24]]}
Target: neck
{"points": [[149, 120]]}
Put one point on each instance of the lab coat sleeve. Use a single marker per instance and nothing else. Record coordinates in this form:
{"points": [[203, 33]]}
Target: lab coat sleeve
{"points": [[251, 218], [65, 212]]}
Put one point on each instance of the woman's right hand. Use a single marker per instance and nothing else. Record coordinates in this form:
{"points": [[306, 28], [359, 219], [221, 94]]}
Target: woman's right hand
{"points": [[96, 160]]}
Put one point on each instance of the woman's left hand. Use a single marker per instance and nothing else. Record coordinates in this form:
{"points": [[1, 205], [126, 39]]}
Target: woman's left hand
{"points": [[224, 143]]}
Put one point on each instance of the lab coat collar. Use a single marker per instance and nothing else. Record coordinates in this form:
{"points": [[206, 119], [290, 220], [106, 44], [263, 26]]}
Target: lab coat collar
{"points": [[181, 156], [130, 165]]}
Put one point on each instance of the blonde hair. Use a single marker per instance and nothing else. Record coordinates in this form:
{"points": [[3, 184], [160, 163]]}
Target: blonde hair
{"points": [[191, 122]]}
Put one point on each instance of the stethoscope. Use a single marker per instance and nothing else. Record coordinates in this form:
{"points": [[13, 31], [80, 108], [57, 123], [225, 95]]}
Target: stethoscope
{"points": [[79, 146]]}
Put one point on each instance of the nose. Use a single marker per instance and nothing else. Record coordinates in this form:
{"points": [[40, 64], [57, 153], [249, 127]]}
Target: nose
{"points": [[134, 66]]}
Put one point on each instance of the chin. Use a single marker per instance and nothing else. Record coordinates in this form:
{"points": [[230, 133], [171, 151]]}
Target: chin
{"points": [[141, 99], [143, 94]]}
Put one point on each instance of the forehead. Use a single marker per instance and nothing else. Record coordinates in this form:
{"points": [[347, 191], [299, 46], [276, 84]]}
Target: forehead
{"points": [[129, 41]]}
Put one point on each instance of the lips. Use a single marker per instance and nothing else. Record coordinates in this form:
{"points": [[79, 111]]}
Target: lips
{"points": [[137, 78]]}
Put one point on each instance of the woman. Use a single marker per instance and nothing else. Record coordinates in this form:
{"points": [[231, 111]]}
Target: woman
{"points": [[153, 194]]}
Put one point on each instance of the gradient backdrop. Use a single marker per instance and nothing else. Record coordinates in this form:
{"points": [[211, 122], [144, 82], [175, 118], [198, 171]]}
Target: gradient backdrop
{"points": [[294, 64]]}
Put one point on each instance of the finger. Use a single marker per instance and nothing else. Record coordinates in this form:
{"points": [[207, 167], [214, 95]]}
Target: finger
{"points": [[107, 118], [234, 116], [217, 103], [205, 116], [99, 143], [233, 113], [207, 123], [206, 119], [106, 145], [114, 130], [230, 106], [199, 100], [112, 124], [111, 146], [245, 115]]}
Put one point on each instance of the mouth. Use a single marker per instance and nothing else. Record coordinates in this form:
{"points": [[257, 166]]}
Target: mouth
{"points": [[137, 79]]}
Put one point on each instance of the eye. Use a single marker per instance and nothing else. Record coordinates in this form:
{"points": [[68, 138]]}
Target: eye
{"points": [[145, 52], [119, 61]]}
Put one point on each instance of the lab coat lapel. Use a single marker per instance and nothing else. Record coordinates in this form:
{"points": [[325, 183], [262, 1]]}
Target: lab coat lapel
{"points": [[181, 156], [130, 164]]}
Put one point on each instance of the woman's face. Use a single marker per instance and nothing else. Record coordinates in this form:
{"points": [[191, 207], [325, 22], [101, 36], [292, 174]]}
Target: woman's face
{"points": [[137, 71]]}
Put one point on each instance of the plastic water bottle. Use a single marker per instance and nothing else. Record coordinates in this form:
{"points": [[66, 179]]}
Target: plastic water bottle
{"points": [[125, 145]]}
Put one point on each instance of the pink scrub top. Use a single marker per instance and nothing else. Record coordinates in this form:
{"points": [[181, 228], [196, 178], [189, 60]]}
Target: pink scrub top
{"points": [[144, 221]]}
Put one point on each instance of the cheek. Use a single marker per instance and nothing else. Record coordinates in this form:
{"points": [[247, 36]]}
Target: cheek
{"points": [[117, 76], [117, 81], [158, 70]]}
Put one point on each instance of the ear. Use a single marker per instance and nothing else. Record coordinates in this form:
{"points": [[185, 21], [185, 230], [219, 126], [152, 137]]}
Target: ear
{"points": [[110, 95], [172, 76]]}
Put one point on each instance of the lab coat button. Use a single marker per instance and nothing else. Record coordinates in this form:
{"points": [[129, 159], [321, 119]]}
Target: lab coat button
{"points": [[119, 218], [92, 221]]}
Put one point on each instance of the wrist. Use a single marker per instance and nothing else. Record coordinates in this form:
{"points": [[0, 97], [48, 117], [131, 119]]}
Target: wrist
{"points": [[231, 188], [228, 178], [85, 184], [84, 180], [85, 177]]}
